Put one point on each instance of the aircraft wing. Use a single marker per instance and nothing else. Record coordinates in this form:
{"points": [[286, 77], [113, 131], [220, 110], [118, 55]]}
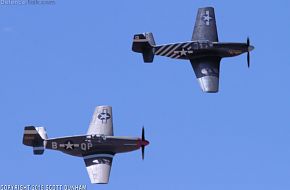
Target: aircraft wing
{"points": [[205, 25], [99, 167], [102, 121], [207, 73]]}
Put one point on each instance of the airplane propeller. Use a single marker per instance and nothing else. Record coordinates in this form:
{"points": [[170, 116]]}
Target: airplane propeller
{"points": [[249, 48], [144, 142]]}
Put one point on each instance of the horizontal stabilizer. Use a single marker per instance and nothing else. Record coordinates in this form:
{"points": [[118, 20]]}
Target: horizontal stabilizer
{"points": [[144, 43], [35, 137]]}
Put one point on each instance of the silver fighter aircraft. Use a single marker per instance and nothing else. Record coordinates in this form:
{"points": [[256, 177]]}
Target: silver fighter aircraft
{"points": [[204, 51], [97, 147]]}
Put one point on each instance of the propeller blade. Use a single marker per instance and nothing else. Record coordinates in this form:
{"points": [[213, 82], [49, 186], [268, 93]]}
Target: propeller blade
{"points": [[143, 152], [143, 134], [248, 59], [142, 145], [248, 54]]}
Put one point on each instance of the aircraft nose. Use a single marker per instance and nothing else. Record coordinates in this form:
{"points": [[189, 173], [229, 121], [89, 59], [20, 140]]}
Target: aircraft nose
{"points": [[250, 48], [145, 142]]}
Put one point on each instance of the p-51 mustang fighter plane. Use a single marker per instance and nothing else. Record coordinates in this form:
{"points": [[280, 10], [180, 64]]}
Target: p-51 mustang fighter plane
{"points": [[204, 51], [97, 147]]}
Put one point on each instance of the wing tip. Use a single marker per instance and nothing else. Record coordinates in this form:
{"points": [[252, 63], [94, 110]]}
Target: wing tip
{"points": [[100, 182], [209, 84], [209, 7], [102, 106]]}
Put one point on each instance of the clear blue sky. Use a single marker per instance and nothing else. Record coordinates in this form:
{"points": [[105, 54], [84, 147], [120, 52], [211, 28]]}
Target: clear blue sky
{"points": [[58, 62]]}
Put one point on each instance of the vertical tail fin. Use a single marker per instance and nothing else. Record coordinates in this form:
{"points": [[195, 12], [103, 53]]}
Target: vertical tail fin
{"points": [[35, 137], [144, 43]]}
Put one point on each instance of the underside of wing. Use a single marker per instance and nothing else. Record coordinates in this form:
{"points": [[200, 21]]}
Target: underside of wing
{"points": [[102, 121], [99, 167], [207, 73], [205, 25]]}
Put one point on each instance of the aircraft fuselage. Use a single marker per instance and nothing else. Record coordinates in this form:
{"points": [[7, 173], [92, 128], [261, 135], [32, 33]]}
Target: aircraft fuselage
{"points": [[199, 49], [92, 144]]}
